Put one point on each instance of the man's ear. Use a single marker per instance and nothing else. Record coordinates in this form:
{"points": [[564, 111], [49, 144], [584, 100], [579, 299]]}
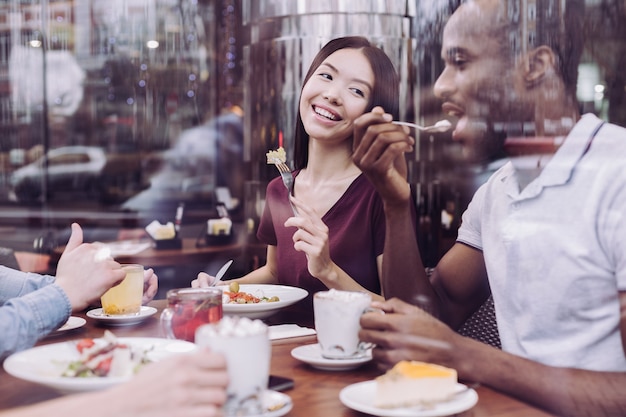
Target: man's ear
{"points": [[540, 62]]}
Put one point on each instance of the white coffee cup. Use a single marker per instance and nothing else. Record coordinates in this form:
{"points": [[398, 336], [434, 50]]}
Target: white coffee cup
{"points": [[337, 316], [246, 345]]}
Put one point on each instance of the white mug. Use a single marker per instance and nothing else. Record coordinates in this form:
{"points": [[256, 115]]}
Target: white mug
{"points": [[246, 345], [337, 316]]}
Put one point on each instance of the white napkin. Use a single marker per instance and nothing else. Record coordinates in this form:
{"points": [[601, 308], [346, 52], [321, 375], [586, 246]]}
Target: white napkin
{"points": [[285, 331]]}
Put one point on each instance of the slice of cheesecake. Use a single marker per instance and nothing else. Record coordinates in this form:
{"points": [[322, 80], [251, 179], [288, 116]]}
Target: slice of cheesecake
{"points": [[411, 383]]}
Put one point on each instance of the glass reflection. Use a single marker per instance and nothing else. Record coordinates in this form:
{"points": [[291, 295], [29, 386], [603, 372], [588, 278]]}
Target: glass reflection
{"points": [[149, 81]]}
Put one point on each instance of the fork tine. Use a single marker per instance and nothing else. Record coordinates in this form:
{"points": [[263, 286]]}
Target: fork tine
{"points": [[281, 166]]}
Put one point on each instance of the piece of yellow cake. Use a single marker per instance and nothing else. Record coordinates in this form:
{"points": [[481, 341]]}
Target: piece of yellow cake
{"points": [[279, 155], [411, 383]]}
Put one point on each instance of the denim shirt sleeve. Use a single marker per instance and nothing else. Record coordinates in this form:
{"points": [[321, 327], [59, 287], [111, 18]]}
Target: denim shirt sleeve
{"points": [[31, 306]]}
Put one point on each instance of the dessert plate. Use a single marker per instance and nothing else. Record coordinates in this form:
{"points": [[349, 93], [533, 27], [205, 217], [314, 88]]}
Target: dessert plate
{"points": [[123, 319], [72, 323], [360, 397], [312, 354], [276, 404]]}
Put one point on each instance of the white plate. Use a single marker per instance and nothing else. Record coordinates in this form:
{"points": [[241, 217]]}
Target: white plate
{"points": [[360, 397], [124, 319], [287, 296], [44, 364], [312, 354], [72, 323], [276, 403]]}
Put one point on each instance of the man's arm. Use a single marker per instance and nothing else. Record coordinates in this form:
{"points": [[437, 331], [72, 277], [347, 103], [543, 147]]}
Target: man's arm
{"points": [[563, 391], [30, 308], [403, 274], [408, 333], [379, 149], [26, 319], [14, 283], [461, 284]]}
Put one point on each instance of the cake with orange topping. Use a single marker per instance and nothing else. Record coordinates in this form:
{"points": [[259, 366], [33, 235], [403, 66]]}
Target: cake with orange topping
{"points": [[411, 383]]}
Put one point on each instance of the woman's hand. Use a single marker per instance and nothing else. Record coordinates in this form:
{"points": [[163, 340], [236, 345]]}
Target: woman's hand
{"points": [[311, 237], [203, 280]]}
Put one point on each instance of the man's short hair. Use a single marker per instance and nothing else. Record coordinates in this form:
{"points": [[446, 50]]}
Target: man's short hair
{"points": [[555, 24]]}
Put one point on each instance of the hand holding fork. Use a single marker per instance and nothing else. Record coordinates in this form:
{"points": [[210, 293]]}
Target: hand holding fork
{"points": [[288, 180]]}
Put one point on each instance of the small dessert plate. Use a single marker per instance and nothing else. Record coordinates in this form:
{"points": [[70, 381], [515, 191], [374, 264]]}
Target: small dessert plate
{"points": [[123, 319], [276, 404], [72, 323], [360, 397], [312, 354]]}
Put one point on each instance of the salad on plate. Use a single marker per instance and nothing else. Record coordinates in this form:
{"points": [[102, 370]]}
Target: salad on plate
{"points": [[106, 357]]}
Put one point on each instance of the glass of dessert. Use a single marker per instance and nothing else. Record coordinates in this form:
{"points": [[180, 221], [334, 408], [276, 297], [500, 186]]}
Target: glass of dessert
{"points": [[125, 297], [189, 308]]}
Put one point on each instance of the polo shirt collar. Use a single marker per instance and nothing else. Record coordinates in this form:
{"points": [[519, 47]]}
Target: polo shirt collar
{"points": [[559, 169]]}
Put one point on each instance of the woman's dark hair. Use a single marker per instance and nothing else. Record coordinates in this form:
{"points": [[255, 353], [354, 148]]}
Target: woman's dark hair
{"points": [[385, 90]]}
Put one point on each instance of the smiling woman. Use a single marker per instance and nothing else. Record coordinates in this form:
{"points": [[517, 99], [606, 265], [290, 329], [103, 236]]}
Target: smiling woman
{"points": [[336, 238]]}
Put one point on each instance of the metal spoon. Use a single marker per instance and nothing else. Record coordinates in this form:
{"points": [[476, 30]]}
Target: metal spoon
{"points": [[440, 126], [221, 272]]}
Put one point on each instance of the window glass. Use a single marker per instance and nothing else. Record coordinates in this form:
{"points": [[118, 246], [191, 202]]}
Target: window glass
{"points": [[174, 103]]}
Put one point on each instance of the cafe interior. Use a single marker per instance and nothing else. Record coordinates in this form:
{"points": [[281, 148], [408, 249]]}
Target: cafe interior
{"points": [[152, 108], [128, 116]]}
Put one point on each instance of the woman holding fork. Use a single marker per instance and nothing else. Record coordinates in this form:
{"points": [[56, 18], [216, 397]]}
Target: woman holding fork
{"points": [[336, 239]]}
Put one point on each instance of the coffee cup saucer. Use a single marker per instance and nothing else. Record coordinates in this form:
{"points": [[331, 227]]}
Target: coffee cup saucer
{"points": [[276, 404], [312, 355], [122, 319]]}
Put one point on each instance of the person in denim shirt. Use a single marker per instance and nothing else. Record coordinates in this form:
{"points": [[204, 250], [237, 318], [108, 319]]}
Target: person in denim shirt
{"points": [[33, 305]]}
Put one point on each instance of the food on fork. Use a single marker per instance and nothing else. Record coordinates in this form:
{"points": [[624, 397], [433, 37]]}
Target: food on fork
{"points": [[277, 156], [411, 383]]}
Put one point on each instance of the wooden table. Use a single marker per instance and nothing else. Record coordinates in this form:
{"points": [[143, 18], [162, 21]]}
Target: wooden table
{"points": [[316, 393]]}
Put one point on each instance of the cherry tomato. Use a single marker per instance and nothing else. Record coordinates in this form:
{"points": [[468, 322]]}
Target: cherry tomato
{"points": [[84, 344], [104, 366]]}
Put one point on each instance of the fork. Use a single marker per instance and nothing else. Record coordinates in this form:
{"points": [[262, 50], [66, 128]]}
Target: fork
{"points": [[287, 177]]}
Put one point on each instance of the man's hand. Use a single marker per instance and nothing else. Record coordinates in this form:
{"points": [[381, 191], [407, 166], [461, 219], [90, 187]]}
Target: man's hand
{"points": [[83, 273], [379, 148], [406, 332]]}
